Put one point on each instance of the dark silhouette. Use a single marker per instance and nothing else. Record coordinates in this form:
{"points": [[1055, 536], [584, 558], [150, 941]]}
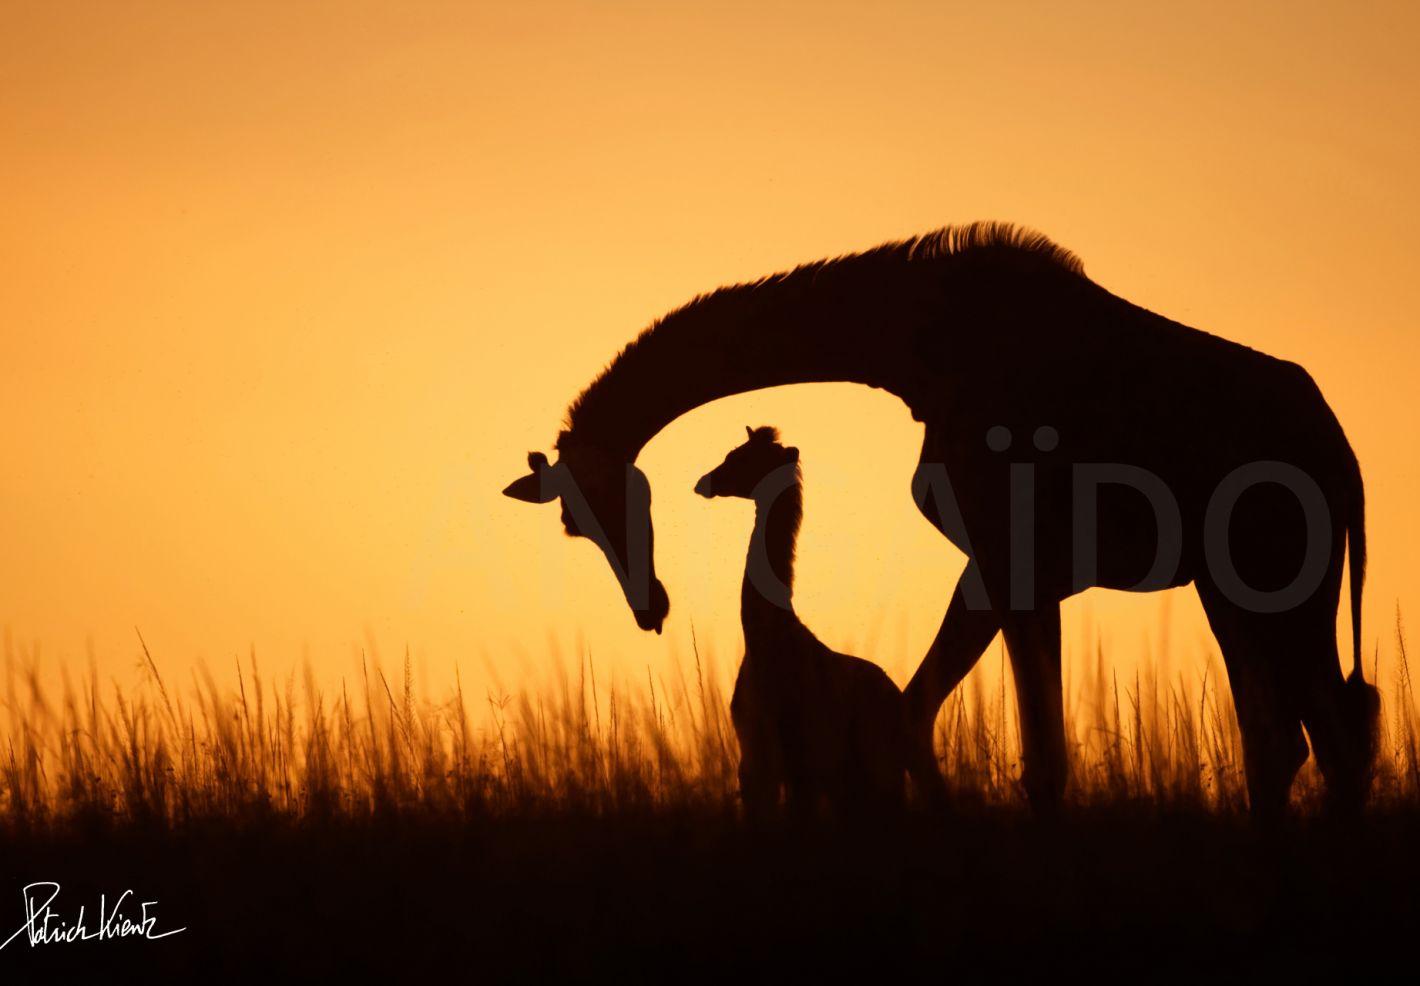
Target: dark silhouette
{"points": [[823, 726], [1054, 413]]}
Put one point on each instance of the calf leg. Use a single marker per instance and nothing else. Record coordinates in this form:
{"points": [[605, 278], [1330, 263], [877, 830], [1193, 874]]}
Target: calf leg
{"points": [[761, 769]]}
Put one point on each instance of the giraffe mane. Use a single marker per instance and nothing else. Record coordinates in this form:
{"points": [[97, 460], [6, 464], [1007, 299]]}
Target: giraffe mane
{"points": [[1007, 241]]}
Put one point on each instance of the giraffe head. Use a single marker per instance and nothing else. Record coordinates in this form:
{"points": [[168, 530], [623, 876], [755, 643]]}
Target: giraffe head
{"points": [[608, 502], [745, 469]]}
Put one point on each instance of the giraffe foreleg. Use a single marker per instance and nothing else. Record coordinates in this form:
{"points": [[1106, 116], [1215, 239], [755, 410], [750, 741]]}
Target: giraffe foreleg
{"points": [[964, 636], [1033, 644]]}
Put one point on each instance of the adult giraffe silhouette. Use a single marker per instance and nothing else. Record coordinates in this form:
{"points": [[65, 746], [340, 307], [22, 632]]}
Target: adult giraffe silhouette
{"points": [[1072, 439]]}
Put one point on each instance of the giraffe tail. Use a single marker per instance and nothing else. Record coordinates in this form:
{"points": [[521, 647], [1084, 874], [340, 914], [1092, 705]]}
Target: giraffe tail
{"points": [[1356, 545]]}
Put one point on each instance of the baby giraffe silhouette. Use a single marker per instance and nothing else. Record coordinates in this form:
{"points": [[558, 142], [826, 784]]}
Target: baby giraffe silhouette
{"points": [[823, 726]]}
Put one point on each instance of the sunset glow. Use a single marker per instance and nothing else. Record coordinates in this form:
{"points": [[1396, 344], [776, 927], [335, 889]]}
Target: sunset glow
{"points": [[291, 291]]}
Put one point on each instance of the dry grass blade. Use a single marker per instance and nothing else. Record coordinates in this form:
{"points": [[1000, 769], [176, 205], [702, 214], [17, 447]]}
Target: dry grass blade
{"points": [[254, 749]]}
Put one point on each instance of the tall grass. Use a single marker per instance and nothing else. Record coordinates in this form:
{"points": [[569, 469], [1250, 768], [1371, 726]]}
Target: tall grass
{"points": [[264, 748]]}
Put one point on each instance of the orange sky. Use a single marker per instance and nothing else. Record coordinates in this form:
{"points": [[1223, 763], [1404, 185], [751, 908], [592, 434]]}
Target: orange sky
{"points": [[290, 289]]}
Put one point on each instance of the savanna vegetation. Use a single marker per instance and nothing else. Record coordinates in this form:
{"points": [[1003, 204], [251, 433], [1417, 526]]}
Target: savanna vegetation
{"points": [[581, 828]]}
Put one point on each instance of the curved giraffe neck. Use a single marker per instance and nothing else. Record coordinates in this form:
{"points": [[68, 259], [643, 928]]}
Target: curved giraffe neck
{"points": [[851, 322], [768, 585]]}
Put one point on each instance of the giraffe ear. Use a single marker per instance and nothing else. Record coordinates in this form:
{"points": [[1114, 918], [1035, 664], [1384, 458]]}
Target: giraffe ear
{"points": [[749, 432], [529, 489], [537, 486]]}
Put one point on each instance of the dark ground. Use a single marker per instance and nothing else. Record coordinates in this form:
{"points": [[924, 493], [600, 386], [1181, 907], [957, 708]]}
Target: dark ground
{"points": [[1100, 895]]}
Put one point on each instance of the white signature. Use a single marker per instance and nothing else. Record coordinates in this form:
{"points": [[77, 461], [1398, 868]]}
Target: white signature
{"points": [[44, 926]]}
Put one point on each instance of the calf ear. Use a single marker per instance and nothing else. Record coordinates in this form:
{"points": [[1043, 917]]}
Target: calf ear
{"points": [[534, 487]]}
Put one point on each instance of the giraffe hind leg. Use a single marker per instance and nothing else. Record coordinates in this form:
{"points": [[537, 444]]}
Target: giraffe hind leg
{"points": [[1255, 650]]}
